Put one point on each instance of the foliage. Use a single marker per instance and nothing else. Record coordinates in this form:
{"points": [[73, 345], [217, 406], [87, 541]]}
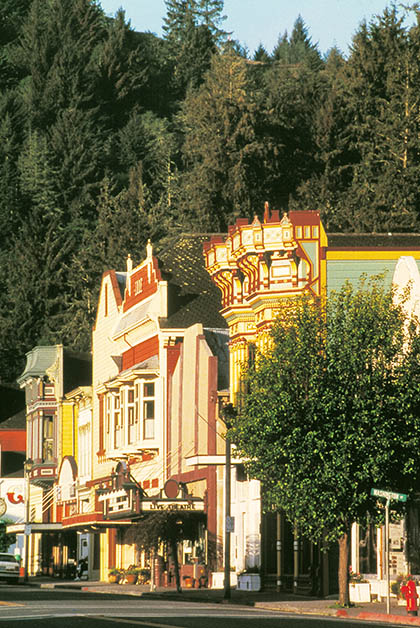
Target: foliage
{"points": [[110, 136], [163, 526], [331, 411], [6, 540]]}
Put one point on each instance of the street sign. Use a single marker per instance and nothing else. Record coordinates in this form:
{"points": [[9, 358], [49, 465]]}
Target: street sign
{"points": [[230, 524], [398, 497]]}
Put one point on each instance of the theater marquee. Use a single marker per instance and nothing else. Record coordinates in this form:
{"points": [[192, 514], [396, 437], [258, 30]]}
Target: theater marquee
{"points": [[194, 505]]}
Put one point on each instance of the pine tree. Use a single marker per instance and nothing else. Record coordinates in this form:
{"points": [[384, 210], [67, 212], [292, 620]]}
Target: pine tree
{"points": [[368, 130], [210, 15], [298, 49], [219, 146]]}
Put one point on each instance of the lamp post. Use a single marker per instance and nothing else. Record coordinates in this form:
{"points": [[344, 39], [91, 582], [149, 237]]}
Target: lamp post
{"points": [[27, 466], [228, 412]]}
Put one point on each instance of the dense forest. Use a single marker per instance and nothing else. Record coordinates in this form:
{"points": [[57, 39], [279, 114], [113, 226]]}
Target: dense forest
{"points": [[110, 136]]}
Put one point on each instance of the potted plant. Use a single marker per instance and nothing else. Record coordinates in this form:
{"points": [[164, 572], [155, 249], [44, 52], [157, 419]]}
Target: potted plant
{"points": [[359, 588], [130, 575], [114, 575], [143, 576]]}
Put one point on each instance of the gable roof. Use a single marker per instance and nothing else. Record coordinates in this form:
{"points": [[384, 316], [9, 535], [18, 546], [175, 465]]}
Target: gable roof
{"points": [[193, 297], [15, 422]]}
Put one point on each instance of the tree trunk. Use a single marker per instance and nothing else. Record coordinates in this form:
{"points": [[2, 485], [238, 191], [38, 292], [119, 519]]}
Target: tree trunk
{"points": [[174, 548], [343, 570]]}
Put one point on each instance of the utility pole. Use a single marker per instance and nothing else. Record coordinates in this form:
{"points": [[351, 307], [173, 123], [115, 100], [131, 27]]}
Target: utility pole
{"points": [[228, 524], [27, 465]]}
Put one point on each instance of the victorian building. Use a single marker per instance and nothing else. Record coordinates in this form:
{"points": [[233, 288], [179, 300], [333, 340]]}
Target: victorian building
{"points": [[51, 436], [258, 266], [160, 371]]}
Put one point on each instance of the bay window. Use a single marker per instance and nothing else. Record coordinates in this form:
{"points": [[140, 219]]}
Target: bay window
{"points": [[130, 413]]}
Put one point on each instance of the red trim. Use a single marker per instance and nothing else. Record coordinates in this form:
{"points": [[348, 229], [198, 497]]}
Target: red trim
{"points": [[140, 353], [301, 218], [83, 518], [210, 475], [197, 390], [143, 283], [13, 440], [212, 404], [112, 543], [173, 354], [180, 403]]}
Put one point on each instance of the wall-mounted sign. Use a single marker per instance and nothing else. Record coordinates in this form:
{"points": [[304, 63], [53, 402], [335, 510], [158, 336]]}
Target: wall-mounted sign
{"points": [[12, 502]]}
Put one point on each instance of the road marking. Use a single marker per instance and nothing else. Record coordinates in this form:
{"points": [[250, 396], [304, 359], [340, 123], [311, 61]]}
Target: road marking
{"points": [[10, 604], [137, 622]]}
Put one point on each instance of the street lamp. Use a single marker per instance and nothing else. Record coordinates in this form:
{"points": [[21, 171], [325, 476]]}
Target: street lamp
{"points": [[27, 466], [228, 412]]}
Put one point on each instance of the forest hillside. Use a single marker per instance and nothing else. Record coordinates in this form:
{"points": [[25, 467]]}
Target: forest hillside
{"points": [[109, 137]]}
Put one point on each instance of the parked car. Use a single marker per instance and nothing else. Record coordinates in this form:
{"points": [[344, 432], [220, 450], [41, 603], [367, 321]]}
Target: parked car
{"points": [[9, 568]]}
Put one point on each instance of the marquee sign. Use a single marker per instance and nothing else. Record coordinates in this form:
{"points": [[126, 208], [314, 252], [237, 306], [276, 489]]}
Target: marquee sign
{"points": [[194, 504]]}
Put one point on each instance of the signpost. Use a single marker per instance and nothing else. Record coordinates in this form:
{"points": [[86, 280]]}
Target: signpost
{"points": [[398, 497]]}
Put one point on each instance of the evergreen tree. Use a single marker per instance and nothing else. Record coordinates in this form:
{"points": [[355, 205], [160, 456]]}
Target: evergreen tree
{"points": [[298, 48], [210, 15], [367, 131], [290, 99], [219, 146], [191, 34]]}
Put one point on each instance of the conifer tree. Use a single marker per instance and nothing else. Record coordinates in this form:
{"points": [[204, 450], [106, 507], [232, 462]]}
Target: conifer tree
{"points": [[219, 146], [298, 48]]}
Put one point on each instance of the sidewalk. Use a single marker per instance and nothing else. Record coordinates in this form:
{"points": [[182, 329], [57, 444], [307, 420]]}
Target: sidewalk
{"points": [[269, 600]]}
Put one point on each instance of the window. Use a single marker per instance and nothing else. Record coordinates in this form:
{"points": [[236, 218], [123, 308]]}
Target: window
{"points": [[149, 410], [48, 439], [130, 413], [118, 407]]}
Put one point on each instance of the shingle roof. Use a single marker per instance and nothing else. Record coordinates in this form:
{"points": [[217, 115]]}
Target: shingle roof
{"points": [[15, 422], [193, 297]]}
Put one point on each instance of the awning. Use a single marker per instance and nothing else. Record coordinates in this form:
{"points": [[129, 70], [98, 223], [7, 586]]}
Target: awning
{"points": [[91, 521], [33, 528]]}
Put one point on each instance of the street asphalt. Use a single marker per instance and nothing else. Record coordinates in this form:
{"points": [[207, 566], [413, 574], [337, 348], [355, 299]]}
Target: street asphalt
{"points": [[267, 599]]}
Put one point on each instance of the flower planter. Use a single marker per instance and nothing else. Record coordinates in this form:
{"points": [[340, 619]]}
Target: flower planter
{"points": [[113, 578], [249, 582], [359, 592], [130, 578]]}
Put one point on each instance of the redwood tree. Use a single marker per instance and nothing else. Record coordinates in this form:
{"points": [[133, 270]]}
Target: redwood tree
{"points": [[330, 412]]}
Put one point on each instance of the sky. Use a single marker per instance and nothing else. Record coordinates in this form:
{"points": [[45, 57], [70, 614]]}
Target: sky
{"points": [[254, 22]]}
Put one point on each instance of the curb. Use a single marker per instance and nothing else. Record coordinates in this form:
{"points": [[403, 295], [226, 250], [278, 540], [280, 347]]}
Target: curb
{"points": [[390, 619]]}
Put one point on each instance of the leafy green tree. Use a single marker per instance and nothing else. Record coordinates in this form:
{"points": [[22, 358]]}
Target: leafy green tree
{"points": [[6, 540], [165, 527], [330, 412]]}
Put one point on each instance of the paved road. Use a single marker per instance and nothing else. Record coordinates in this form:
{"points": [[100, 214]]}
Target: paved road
{"points": [[57, 608]]}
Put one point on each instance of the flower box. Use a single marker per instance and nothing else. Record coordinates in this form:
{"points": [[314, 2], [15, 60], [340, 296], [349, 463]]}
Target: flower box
{"points": [[359, 592], [249, 582]]}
